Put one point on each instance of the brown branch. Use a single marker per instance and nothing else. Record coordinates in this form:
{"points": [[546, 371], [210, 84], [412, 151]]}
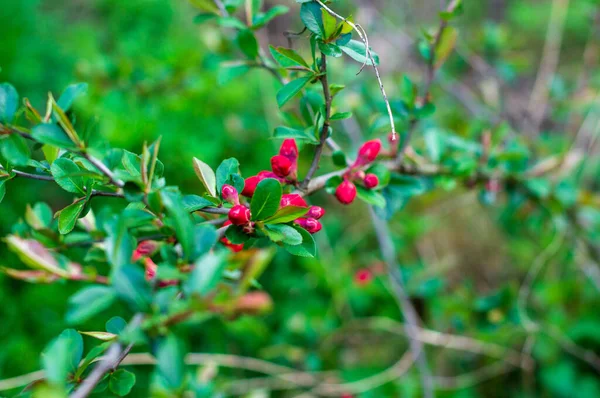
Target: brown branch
{"points": [[325, 130], [113, 358]]}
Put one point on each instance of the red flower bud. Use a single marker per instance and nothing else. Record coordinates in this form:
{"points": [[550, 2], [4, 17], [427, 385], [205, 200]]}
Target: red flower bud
{"points": [[371, 181], [368, 151], [144, 249], [310, 224], [230, 194], [250, 186], [345, 192], [281, 166], [254, 303], [292, 199], [151, 269], [363, 276], [289, 149], [239, 215], [315, 212]]}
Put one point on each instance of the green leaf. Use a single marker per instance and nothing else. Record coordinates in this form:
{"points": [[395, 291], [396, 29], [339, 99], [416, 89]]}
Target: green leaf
{"points": [[62, 355], [205, 5], [15, 150], [445, 45], [116, 325], [170, 360], [287, 214], [88, 302], [287, 57], [206, 274], [9, 102], [2, 189], [370, 196], [119, 244], [236, 235], [131, 286], [70, 94], [288, 91], [266, 198], [121, 382], [192, 203], [103, 336], [51, 134], [357, 51], [262, 19], [283, 233], [206, 176], [329, 24], [247, 43], [35, 255], [69, 216], [225, 170], [288, 132], [68, 175], [341, 116], [330, 49], [339, 158], [307, 248], [205, 237], [311, 16], [408, 91], [181, 220]]}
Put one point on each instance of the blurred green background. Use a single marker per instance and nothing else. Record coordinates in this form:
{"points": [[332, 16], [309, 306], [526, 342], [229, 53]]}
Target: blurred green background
{"points": [[153, 72]]}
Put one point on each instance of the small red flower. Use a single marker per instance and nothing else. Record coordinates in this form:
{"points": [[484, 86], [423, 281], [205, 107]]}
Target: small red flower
{"points": [[145, 248], [310, 224], [230, 194], [250, 186], [239, 215], [363, 277], [289, 150], [292, 199], [371, 181], [346, 192], [281, 166], [368, 151], [315, 212]]}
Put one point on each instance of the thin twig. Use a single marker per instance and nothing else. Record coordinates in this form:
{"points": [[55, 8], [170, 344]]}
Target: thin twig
{"points": [[114, 356], [388, 253], [369, 56], [549, 62], [325, 130]]}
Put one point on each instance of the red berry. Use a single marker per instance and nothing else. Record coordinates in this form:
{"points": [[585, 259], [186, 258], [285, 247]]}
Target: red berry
{"points": [[346, 192], [239, 215], [315, 212], [230, 194], [368, 151], [363, 276], [292, 199], [310, 224], [289, 149], [371, 181], [281, 166], [250, 186]]}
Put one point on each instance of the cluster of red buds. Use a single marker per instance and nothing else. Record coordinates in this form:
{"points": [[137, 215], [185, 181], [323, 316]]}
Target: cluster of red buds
{"points": [[310, 221], [346, 191], [284, 167]]}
